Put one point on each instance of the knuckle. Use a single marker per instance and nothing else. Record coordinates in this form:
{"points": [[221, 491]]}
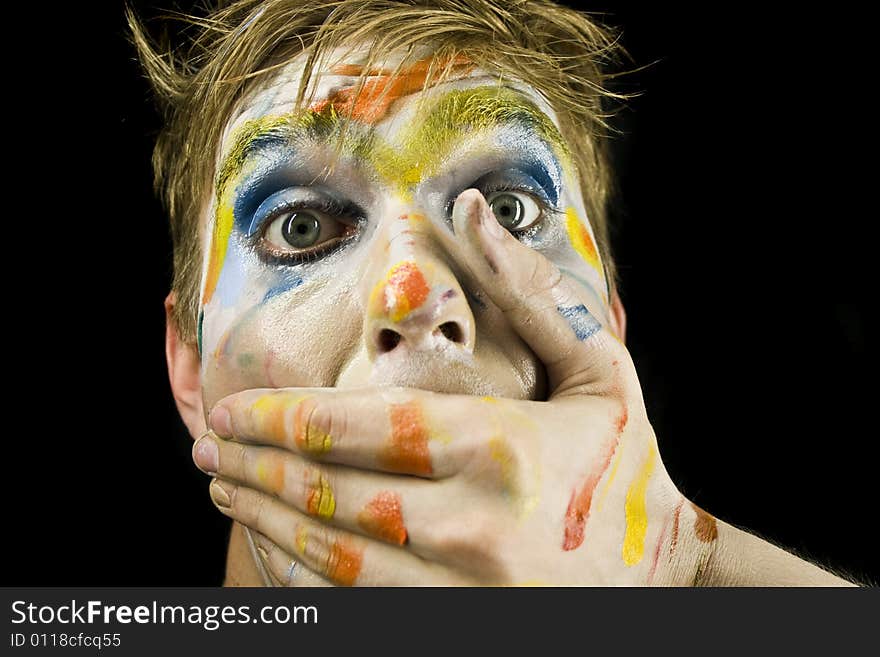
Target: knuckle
{"points": [[324, 422]]}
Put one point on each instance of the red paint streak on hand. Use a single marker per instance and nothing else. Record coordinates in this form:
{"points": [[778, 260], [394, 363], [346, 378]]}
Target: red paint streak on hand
{"points": [[377, 95], [382, 517], [579, 506], [407, 450]]}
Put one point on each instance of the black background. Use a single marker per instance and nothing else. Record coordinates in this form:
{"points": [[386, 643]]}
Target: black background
{"points": [[743, 247]]}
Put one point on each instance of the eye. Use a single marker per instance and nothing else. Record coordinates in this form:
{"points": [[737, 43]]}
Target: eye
{"points": [[304, 232], [516, 211]]}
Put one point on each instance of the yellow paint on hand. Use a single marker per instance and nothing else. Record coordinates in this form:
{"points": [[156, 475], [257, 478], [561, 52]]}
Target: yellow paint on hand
{"points": [[321, 502], [306, 435], [637, 512], [269, 415], [501, 453], [302, 539]]}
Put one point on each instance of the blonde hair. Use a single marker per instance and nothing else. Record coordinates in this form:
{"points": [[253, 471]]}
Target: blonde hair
{"points": [[563, 54]]}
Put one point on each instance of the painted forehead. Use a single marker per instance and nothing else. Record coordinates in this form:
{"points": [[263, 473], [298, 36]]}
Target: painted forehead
{"points": [[469, 99]]}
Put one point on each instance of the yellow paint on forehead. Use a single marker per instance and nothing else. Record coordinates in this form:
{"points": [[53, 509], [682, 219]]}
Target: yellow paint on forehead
{"points": [[636, 510]]}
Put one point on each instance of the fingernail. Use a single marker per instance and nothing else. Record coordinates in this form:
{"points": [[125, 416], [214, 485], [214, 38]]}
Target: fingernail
{"points": [[205, 455], [221, 422], [490, 221], [221, 493]]}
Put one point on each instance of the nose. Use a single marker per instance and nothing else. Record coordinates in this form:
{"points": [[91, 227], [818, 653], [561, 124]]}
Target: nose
{"points": [[415, 301]]}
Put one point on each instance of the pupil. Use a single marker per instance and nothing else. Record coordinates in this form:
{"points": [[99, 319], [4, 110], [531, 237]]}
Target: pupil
{"points": [[301, 230], [508, 210]]}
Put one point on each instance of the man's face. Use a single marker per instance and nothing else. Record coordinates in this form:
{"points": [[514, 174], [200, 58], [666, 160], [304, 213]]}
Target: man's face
{"points": [[343, 277]]}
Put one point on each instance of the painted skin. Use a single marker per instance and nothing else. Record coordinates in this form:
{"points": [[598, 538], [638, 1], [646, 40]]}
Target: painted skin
{"points": [[505, 487]]}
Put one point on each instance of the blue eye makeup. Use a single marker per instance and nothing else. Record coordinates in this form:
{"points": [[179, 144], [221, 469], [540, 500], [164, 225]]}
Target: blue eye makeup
{"points": [[298, 224]]}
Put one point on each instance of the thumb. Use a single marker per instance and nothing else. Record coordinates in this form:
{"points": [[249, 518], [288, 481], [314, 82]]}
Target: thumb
{"points": [[580, 354]]}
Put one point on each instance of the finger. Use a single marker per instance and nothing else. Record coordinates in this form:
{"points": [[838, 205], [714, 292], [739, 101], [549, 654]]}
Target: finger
{"points": [[399, 430], [283, 569], [580, 354], [342, 558], [423, 515], [361, 502]]}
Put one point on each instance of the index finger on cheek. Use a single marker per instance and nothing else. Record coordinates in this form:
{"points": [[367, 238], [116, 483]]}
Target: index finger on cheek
{"points": [[386, 429]]}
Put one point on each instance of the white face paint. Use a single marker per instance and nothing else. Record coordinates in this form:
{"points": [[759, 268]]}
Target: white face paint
{"points": [[316, 277]]}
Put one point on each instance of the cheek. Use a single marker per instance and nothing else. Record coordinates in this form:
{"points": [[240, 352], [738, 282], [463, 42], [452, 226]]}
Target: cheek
{"points": [[267, 327]]}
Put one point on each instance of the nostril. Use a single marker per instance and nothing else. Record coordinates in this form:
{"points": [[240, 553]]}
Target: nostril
{"points": [[452, 331], [388, 339]]}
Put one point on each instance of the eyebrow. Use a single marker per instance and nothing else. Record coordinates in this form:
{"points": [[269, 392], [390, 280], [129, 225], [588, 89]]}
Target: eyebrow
{"points": [[418, 151]]}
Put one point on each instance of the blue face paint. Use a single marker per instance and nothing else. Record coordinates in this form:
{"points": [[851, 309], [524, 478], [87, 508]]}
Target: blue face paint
{"points": [[288, 282], [581, 321]]}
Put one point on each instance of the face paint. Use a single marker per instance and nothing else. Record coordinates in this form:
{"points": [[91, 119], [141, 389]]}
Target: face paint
{"points": [[637, 512], [382, 517], [407, 448], [303, 319], [377, 95], [404, 290], [581, 238]]}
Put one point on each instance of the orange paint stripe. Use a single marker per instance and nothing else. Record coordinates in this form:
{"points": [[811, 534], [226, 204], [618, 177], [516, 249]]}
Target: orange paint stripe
{"points": [[382, 517], [377, 95], [578, 510], [407, 449], [344, 563]]}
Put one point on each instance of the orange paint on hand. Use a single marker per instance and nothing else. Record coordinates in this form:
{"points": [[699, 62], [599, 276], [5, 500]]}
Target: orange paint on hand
{"points": [[377, 95], [270, 473], [405, 290], [579, 506], [407, 449], [704, 526], [269, 413], [382, 517], [344, 563]]}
